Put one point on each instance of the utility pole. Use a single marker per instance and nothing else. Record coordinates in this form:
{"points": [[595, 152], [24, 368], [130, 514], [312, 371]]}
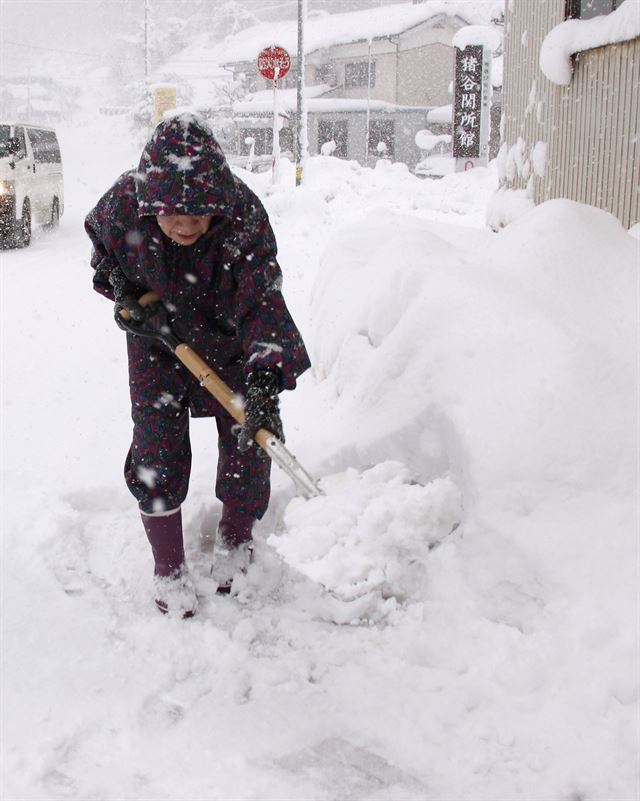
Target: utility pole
{"points": [[146, 43], [301, 120], [29, 92], [368, 123]]}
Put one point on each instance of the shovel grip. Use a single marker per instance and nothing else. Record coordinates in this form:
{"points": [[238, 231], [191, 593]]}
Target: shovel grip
{"points": [[207, 378], [145, 300], [234, 405]]}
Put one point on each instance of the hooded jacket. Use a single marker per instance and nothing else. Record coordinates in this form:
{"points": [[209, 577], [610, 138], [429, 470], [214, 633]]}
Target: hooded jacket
{"points": [[224, 291]]}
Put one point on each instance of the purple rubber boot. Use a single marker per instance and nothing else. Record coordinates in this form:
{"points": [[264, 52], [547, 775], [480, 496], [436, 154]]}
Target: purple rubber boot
{"points": [[234, 527], [174, 591], [233, 550]]}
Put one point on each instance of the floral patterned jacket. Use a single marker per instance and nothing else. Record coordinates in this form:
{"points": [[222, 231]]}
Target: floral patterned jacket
{"points": [[224, 292]]}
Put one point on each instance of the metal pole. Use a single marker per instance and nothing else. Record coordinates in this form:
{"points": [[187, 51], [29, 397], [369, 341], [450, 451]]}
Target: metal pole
{"points": [[275, 161], [301, 119], [146, 42], [29, 93], [366, 140]]}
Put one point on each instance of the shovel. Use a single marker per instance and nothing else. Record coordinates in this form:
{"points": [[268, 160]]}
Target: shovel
{"points": [[232, 402]]}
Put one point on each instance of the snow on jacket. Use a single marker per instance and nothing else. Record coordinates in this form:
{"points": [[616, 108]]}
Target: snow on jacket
{"points": [[225, 290]]}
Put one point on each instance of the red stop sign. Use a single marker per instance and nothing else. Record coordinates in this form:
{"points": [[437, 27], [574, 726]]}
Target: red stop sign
{"points": [[272, 58]]}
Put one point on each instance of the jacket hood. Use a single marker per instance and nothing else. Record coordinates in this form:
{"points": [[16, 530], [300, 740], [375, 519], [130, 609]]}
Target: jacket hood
{"points": [[183, 170]]}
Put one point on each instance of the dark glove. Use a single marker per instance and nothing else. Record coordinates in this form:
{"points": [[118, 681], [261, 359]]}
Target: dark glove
{"points": [[261, 407], [126, 297]]}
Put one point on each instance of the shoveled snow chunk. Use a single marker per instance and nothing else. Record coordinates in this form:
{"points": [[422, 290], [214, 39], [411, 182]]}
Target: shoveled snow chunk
{"points": [[371, 532]]}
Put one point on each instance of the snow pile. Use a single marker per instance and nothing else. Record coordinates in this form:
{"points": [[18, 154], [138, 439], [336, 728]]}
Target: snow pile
{"points": [[371, 533], [482, 35], [508, 364], [517, 338], [506, 205], [426, 140], [574, 35]]}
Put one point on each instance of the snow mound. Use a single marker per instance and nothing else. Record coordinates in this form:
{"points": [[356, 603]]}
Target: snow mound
{"points": [[575, 35], [371, 533]]}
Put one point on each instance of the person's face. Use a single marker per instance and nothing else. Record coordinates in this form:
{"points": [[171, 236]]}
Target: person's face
{"points": [[185, 229]]}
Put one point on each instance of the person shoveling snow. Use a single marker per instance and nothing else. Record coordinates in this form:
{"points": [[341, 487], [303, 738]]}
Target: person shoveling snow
{"points": [[185, 228]]}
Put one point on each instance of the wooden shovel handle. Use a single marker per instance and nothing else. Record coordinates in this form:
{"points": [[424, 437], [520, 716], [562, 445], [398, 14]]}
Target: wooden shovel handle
{"points": [[145, 300], [229, 399]]}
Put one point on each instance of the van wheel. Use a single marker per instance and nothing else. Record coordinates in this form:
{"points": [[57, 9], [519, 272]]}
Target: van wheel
{"points": [[7, 232], [54, 220], [23, 233]]}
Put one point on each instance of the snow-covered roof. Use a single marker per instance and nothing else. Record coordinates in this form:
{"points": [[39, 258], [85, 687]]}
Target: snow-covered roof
{"points": [[195, 61], [575, 35], [285, 96], [334, 29], [24, 90], [287, 103], [442, 115], [477, 35], [41, 104]]}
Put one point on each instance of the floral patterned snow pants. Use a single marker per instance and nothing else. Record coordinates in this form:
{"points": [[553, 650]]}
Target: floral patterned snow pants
{"points": [[158, 464]]}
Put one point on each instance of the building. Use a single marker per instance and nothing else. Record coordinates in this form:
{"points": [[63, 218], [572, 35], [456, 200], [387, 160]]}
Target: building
{"points": [[571, 126], [372, 78], [35, 98]]}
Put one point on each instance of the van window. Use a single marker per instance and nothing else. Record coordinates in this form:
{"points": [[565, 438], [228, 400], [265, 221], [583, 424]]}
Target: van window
{"points": [[4, 140], [7, 142], [45, 146]]}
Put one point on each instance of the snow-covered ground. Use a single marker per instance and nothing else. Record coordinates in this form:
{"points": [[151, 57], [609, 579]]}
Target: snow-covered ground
{"points": [[466, 380]]}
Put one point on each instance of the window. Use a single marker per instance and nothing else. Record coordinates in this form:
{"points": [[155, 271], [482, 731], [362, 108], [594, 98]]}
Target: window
{"points": [[246, 81], [285, 137], [586, 9], [381, 138], [12, 146], [326, 73], [263, 138], [355, 74], [334, 131], [5, 135], [45, 146], [22, 149]]}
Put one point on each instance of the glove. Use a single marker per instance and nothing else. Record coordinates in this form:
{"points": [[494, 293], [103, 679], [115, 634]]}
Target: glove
{"points": [[261, 407], [126, 297]]}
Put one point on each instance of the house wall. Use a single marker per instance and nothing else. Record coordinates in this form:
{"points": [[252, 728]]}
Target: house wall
{"points": [[426, 73], [589, 127], [406, 125], [414, 68], [427, 62], [383, 53]]}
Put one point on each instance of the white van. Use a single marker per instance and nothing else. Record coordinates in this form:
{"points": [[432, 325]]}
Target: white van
{"points": [[31, 181]]}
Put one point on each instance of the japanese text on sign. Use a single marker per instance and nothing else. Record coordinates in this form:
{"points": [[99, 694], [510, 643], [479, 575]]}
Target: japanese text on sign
{"points": [[274, 62], [470, 102]]}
